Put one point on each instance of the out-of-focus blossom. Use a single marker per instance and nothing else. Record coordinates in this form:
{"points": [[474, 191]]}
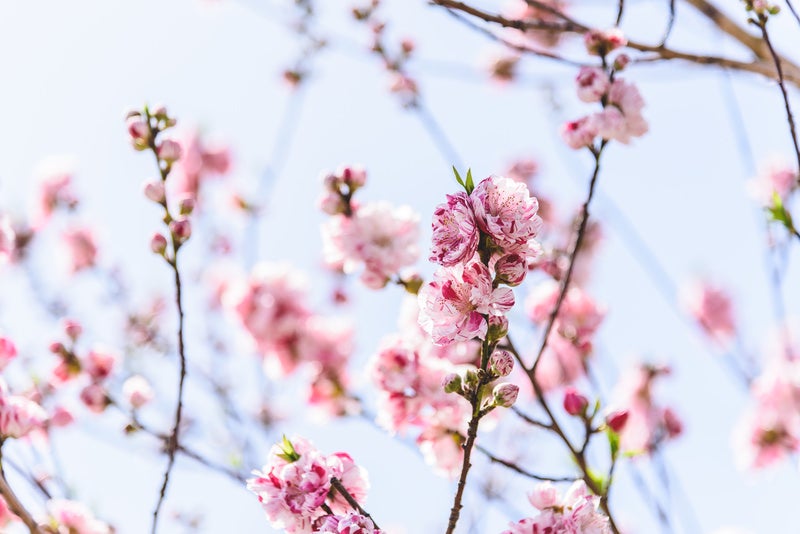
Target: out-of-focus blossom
{"points": [[82, 248], [137, 391], [71, 517], [576, 513]]}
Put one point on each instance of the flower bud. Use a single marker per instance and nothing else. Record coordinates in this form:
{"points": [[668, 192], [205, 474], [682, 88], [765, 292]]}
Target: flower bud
{"points": [[137, 391], [169, 150], [501, 363], [621, 61], [511, 269], [139, 132], [498, 328], [672, 423], [505, 394], [355, 177], [181, 230], [616, 420], [574, 402], [94, 397], [601, 43], [73, 329], [57, 348], [186, 205], [158, 244], [8, 351], [451, 383], [154, 191], [159, 112]]}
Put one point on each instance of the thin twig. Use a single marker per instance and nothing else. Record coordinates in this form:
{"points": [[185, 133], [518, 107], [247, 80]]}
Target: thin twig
{"points": [[519, 470], [762, 23], [338, 486]]}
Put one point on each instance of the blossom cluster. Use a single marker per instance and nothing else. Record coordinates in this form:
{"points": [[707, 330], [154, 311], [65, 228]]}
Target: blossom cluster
{"points": [[570, 341], [621, 116], [484, 239], [648, 423], [295, 489], [376, 236], [576, 512], [72, 517], [271, 304], [408, 371], [770, 430]]}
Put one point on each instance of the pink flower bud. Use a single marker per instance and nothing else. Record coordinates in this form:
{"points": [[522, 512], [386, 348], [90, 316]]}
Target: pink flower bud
{"points": [[73, 329], [505, 394], [159, 111], [57, 347], [574, 402], [592, 84], [139, 132], [158, 244], [181, 229], [94, 397], [616, 420], [169, 151], [99, 363], [355, 177], [498, 327], [186, 205], [580, 133], [137, 391], [501, 363], [601, 43], [451, 383], [155, 191], [511, 269], [621, 61]]}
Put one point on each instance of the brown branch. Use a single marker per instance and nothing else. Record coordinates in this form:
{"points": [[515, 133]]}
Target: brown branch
{"points": [[519, 470], [762, 24], [762, 65], [338, 486], [14, 503]]}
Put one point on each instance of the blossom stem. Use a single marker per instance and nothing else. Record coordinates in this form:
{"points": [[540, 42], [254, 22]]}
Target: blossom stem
{"points": [[14, 503], [338, 486], [472, 435]]}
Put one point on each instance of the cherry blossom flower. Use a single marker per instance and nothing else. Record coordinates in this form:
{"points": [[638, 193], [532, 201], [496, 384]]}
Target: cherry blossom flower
{"points": [[712, 308], [506, 211], [576, 513], [378, 236], [455, 233], [81, 247], [19, 416], [8, 351], [137, 391], [452, 306], [350, 523]]}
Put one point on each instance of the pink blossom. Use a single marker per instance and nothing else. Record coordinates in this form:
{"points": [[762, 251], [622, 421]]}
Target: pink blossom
{"points": [[137, 391], [94, 397], [455, 233], [523, 171], [441, 449], [712, 308], [501, 363], [350, 523], [574, 402], [20, 416], [578, 318], [773, 177], [72, 517], [505, 394], [271, 307], [353, 478], [61, 417], [576, 513], [169, 150], [8, 240], [580, 133], [378, 236], [511, 269], [648, 423], [601, 42], [199, 160], [627, 99], [506, 211], [99, 363], [6, 515], [395, 367], [82, 248], [593, 83], [55, 190], [521, 10], [8, 351], [453, 304]]}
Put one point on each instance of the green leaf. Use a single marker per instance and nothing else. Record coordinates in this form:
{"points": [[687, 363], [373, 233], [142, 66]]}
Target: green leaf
{"points": [[777, 212], [470, 185], [458, 177], [288, 453]]}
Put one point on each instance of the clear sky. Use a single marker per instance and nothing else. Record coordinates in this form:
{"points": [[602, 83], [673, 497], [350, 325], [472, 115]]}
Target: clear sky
{"points": [[71, 69]]}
